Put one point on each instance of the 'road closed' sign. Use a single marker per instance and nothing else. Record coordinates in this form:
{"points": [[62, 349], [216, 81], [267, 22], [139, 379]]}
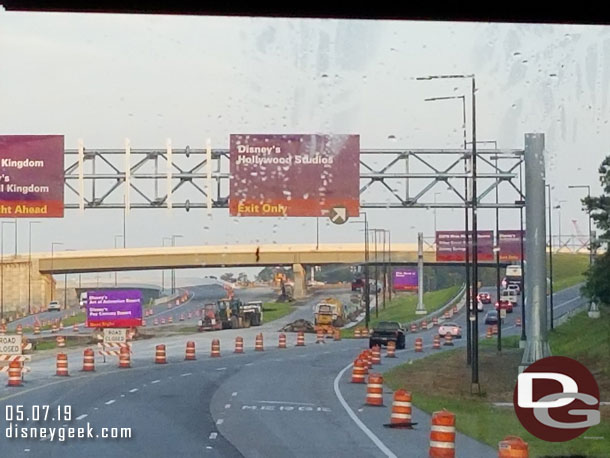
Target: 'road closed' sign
{"points": [[115, 335], [10, 345]]}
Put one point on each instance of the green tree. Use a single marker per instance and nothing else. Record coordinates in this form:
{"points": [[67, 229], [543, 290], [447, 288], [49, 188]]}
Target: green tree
{"points": [[597, 285]]}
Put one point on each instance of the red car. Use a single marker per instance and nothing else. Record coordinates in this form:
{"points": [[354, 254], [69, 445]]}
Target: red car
{"points": [[505, 305], [485, 298]]}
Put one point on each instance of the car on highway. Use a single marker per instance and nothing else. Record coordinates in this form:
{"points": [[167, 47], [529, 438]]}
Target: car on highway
{"points": [[357, 284], [386, 331], [504, 305], [485, 298], [513, 287], [453, 329], [54, 306], [509, 295], [491, 317]]}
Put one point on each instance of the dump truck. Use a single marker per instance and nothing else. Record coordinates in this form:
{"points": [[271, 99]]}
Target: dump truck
{"points": [[328, 315]]}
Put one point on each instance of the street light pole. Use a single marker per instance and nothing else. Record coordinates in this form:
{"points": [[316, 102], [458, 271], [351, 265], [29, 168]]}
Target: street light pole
{"points": [[174, 237], [30, 267], [548, 187], [52, 267], [115, 272], [593, 309], [366, 292], [390, 273]]}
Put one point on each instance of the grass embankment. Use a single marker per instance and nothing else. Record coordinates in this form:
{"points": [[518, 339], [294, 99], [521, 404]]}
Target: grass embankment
{"points": [[443, 381], [79, 318], [274, 310], [402, 307], [569, 269]]}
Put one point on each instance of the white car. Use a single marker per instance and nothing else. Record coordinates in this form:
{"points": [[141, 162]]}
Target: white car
{"points": [[513, 287], [455, 330], [54, 306]]}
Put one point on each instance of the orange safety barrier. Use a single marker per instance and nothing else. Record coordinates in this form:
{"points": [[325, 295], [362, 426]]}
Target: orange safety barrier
{"points": [[359, 371], [282, 341], [14, 374], [368, 354], [258, 343], [455, 309], [124, 358], [215, 353], [182, 317], [448, 340], [336, 335], [424, 325], [489, 333], [61, 342], [53, 328], [364, 333], [376, 355], [494, 329], [189, 315], [190, 351], [320, 336], [62, 364], [391, 349], [436, 342], [239, 345], [434, 321], [88, 360], [300, 339], [19, 330], [162, 320], [518, 321], [442, 435], [374, 390], [401, 409], [143, 323], [155, 322], [61, 326], [75, 328], [357, 333], [160, 357], [365, 362], [170, 319], [36, 329], [446, 315], [513, 447], [419, 344], [2, 330], [413, 327]]}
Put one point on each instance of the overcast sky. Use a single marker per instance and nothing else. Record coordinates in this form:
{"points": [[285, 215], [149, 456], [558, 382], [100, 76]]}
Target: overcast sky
{"points": [[104, 78]]}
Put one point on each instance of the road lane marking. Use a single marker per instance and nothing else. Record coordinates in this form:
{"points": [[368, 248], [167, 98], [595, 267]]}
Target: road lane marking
{"points": [[286, 402], [122, 395], [155, 381], [220, 421], [380, 445], [234, 394], [227, 406], [186, 374], [213, 435], [133, 390], [80, 417], [248, 364], [224, 368], [112, 401]]}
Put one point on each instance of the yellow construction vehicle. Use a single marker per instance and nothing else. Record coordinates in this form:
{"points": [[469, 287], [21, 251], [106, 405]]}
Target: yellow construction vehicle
{"points": [[328, 315]]}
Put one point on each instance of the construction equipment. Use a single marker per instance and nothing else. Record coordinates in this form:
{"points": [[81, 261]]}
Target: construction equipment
{"points": [[210, 318], [252, 313], [328, 315], [234, 314]]}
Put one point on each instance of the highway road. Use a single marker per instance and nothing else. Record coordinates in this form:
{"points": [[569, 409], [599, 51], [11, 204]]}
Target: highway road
{"points": [[276, 403]]}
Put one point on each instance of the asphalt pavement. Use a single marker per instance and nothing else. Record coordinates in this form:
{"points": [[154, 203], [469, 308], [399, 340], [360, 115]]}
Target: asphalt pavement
{"points": [[280, 402]]}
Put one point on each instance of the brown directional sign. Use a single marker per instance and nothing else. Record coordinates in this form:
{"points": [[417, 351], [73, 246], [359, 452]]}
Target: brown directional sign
{"points": [[295, 175]]}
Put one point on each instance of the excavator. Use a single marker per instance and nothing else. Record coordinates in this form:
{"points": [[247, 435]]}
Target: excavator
{"points": [[328, 315]]}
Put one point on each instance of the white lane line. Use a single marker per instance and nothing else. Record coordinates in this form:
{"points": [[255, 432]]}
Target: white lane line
{"points": [[213, 435], [286, 402], [112, 401], [248, 364], [133, 390], [220, 421], [380, 445], [26, 449], [223, 368], [122, 395], [568, 302], [227, 406], [234, 393], [155, 381], [80, 417], [186, 374]]}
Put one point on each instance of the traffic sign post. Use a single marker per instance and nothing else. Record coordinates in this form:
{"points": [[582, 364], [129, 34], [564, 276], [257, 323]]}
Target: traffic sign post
{"points": [[115, 335]]}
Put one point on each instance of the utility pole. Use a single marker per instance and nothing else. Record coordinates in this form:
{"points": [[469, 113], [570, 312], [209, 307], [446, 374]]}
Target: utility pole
{"points": [[550, 204]]}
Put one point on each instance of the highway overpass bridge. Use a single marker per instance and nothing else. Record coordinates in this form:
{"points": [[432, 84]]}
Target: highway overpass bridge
{"points": [[20, 275]]}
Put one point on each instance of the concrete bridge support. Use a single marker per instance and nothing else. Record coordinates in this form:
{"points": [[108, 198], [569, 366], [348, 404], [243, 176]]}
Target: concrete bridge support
{"points": [[300, 281]]}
